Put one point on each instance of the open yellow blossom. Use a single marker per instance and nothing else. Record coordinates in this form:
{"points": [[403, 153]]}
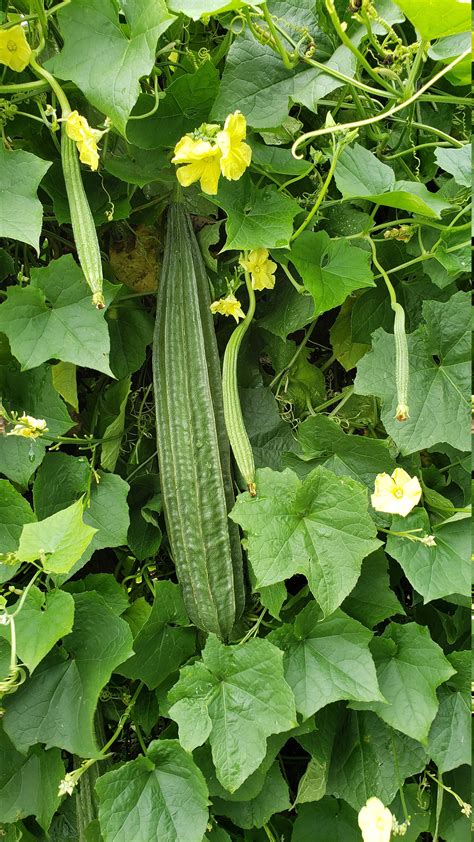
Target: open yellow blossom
{"points": [[236, 155], [85, 137], [15, 51], [397, 494], [28, 427], [229, 306], [201, 158], [375, 821], [262, 270]]}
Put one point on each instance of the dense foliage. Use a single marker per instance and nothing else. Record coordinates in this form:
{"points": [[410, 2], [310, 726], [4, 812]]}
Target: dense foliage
{"points": [[327, 174]]}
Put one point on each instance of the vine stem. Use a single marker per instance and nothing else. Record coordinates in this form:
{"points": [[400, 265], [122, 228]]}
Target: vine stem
{"points": [[357, 124], [54, 84], [331, 8], [324, 189], [295, 356]]}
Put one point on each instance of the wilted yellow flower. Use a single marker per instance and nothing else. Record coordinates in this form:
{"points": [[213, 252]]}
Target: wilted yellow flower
{"points": [[85, 137], [28, 427], [375, 821], [397, 494], [236, 155], [202, 163], [229, 306], [261, 268], [15, 51]]}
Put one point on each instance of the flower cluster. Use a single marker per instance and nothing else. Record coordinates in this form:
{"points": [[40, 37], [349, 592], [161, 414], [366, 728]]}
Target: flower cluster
{"points": [[28, 427], [15, 51], [85, 138], [397, 494], [262, 276], [210, 152]]}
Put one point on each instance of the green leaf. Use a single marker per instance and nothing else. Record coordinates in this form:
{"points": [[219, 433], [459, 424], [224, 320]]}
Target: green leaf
{"points": [[29, 784], [31, 392], [237, 697], [15, 511], [457, 162], [65, 382], [289, 311], [59, 482], [439, 571], [331, 269], [196, 9], [326, 660], [144, 534], [53, 318], [138, 166], [112, 421], [439, 384], [56, 705], [372, 600], [274, 159], [185, 105], [106, 59], [42, 621], [410, 666], [359, 173], [256, 217], [362, 458], [131, 331], [162, 796], [62, 479], [346, 351], [437, 18], [333, 819], [58, 541], [319, 528], [256, 82], [449, 743], [21, 212], [370, 759], [106, 585], [257, 812], [162, 644]]}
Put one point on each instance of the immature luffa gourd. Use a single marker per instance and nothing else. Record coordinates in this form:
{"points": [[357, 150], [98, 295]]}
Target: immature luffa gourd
{"points": [[193, 449]]}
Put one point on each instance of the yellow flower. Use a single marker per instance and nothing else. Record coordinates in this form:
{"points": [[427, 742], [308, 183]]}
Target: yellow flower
{"points": [[85, 137], [202, 163], [28, 427], [15, 51], [396, 495], [229, 306], [236, 155], [261, 268], [375, 821]]}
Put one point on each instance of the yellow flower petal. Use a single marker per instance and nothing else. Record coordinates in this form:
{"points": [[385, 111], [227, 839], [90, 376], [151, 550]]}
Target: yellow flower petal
{"points": [[77, 127], [15, 51], [375, 821], [229, 306], [236, 155], [396, 495], [261, 268], [202, 163], [88, 153]]}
